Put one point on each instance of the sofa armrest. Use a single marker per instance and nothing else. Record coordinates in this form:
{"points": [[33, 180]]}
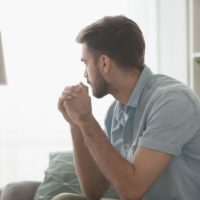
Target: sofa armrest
{"points": [[23, 190]]}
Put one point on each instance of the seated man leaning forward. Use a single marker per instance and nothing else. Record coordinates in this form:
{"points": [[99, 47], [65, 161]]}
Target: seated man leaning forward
{"points": [[150, 148]]}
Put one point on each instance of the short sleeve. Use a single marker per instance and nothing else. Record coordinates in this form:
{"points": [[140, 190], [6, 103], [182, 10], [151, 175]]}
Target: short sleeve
{"points": [[171, 123]]}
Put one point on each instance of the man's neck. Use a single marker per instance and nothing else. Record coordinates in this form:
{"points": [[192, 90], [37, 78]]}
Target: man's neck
{"points": [[125, 86]]}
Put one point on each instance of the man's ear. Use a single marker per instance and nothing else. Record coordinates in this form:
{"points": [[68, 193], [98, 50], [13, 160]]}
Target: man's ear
{"points": [[105, 63]]}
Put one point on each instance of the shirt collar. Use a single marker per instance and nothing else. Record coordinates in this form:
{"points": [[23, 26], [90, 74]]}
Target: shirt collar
{"points": [[144, 76], [121, 111]]}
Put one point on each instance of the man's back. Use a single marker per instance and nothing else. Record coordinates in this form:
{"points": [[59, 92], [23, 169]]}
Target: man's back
{"points": [[164, 115]]}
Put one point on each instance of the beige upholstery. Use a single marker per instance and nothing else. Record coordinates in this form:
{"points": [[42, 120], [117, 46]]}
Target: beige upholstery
{"points": [[23, 190]]}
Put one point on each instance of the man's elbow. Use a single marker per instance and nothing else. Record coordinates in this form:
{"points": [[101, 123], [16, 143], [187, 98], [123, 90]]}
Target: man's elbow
{"points": [[129, 197], [129, 193], [92, 193]]}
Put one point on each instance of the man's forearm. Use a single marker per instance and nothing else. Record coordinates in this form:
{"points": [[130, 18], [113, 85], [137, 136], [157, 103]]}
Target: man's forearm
{"points": [[117, 170], [92, 180]]}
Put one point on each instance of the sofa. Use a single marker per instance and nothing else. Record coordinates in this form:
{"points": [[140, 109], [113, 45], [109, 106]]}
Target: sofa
{"points": [[60, 169], [23, 190], [59, 177]]}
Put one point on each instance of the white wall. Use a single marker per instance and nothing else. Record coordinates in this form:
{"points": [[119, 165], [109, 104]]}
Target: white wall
{"points": [[146, 17], [41, 58], [173, 38]]}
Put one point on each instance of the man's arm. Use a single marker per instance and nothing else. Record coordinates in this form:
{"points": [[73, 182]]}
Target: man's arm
{"points": [[92, 181], [131, 179]]}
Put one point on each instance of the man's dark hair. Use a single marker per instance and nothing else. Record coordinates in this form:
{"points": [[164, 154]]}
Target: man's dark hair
{"points": [[117, 37]]}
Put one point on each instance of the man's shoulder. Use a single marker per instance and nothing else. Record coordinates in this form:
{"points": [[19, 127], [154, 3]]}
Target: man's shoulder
{"points": [[165, 92], [162, 85]]}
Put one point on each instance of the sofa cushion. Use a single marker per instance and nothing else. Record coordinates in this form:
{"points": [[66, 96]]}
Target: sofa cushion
{"points": [[61, 177]]}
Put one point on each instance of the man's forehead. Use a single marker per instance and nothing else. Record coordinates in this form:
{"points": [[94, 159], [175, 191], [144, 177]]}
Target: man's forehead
{"points": [[84, 48], [85, 52]]}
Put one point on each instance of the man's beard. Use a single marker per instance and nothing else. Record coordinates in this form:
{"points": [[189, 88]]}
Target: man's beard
{"points": [[100, 88]]}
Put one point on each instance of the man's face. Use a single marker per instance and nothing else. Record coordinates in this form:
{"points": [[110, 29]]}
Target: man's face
{"points": [[92, 74]]}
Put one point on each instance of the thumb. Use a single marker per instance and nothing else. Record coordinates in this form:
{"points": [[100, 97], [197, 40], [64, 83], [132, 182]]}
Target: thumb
{"points": [[84, 86]]}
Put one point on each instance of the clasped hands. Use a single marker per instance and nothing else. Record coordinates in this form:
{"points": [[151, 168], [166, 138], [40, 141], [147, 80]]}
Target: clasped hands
{"points": [[75, 104]]}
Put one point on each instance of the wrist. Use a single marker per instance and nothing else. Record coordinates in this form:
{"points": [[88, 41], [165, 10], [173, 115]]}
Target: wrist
{"points": [[85, 121], [73, 126]]}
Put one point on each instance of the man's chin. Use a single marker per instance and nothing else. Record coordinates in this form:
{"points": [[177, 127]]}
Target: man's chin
{"points": [[99, 95]]}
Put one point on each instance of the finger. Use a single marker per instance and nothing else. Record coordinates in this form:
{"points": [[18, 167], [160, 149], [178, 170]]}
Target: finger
{"points": [[67, 97], [77, 89], [70, 93], [65, 104], [60, 104], [70, 87], [66, 91], [84, 86]]}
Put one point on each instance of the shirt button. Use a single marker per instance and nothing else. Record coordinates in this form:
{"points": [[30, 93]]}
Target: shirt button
{"points": [[126, 145]]}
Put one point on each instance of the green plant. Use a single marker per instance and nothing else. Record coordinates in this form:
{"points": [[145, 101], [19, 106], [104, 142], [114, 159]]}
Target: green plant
{"points": [[198, 60]]}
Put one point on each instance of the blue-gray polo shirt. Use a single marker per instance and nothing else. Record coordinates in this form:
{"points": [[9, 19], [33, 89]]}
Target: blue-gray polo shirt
{"points": [[164, 115]]}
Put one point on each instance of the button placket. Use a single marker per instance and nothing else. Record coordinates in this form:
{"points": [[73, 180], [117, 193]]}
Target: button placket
{"points": [[127, 134]]}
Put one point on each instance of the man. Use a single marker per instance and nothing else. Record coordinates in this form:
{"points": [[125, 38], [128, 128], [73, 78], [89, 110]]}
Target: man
{"points": [[151, 146]]}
